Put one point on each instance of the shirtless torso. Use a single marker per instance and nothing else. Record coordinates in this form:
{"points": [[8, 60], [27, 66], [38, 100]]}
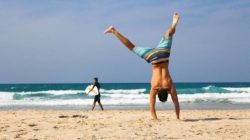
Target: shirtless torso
{"points": [[162, 79], [160, 74]]}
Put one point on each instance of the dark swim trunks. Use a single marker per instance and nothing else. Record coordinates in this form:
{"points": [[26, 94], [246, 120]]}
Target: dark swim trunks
{"points": [[97, 98]]}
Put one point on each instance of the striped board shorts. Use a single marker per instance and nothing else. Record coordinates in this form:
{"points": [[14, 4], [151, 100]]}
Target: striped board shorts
{"points": [[155, 55]]}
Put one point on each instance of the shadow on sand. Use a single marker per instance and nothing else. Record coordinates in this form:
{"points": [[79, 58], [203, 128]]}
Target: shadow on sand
{"points": [[213, 119]]}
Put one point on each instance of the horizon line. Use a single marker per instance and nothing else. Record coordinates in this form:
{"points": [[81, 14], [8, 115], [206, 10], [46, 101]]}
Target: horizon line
{"points": [[116, 82]]}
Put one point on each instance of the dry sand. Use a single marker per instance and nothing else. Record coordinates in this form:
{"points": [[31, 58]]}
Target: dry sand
{"points": [[125, 124]]}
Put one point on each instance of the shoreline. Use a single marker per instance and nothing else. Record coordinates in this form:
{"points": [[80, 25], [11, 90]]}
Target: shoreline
{"points": [[124, 124], [159, 106]]}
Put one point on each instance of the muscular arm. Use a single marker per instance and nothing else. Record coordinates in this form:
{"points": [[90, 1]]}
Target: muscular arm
{"points": [[175, 100], [153, 93]]}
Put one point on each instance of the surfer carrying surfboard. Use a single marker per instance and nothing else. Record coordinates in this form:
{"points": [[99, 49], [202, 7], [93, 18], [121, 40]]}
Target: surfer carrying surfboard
{"points": [[161, 83], [98, 96]]}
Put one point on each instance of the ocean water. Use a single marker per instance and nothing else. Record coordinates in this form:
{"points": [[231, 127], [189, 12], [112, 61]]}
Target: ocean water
{"points": [[121, 95]]}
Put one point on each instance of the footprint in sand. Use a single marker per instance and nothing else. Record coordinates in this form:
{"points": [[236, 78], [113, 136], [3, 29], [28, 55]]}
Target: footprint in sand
{"points": [[199, 133], [32, 125], [20, 134], [79, 116], [74, 116], [62, 116], [35, 129], [56, 127]]}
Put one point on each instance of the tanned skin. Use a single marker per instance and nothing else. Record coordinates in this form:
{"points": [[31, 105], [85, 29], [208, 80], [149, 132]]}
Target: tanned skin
{"points": [[160, 74]]}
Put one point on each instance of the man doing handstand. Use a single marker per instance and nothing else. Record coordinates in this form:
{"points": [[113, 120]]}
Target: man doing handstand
{"points": [[161, 82]]}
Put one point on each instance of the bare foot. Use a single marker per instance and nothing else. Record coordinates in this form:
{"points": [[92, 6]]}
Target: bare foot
{"points": [[176, 18], [111, 29]]}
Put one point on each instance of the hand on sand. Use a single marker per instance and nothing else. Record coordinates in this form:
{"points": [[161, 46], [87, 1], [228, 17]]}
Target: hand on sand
{"points": [[178, 120], [155, 120]]}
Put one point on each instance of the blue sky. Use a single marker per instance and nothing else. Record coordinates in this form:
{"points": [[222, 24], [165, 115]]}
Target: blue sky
{"points": [[62, 41]]}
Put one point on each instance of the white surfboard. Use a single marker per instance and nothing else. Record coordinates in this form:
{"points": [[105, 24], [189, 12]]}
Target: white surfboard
{"points": [[93, 92]]}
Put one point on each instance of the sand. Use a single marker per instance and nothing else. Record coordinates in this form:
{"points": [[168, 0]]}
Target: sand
{"points": [[125, 124]]}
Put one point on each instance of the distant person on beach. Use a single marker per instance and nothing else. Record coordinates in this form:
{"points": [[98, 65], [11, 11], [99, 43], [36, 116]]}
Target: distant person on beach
{"points": [[97, 97], [161, 82]]}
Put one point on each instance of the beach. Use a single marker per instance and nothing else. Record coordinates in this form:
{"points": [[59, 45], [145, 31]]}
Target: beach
{"points": [[61, 111], [124, 70], [124, 124]]}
